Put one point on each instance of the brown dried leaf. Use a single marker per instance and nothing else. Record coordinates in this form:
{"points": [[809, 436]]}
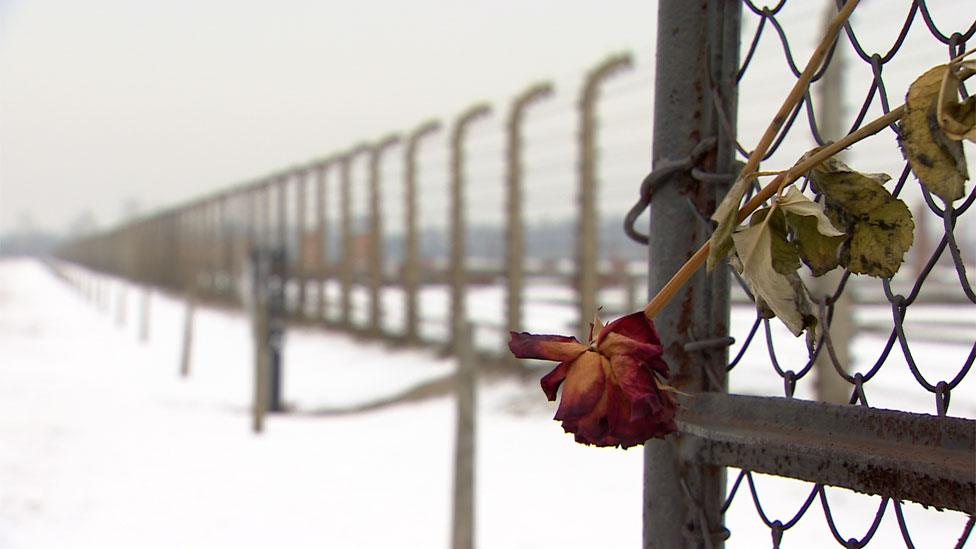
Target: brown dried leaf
{"points": [[957, 118], [936, 160], [879, 226], [726, 215], [783, 294], [816, 239]]}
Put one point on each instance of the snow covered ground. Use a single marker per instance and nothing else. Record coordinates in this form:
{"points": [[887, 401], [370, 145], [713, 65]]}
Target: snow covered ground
{"points": [[103, 445]]}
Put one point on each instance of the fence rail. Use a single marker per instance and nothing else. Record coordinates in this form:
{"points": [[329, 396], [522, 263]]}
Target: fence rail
{"points": [[366, 256]]}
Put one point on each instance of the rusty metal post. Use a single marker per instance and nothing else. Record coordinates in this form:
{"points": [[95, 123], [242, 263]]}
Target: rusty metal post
{"points": [[411, 259], [301, 274], [697, 61], [515, 238], [322, 231], [458, 224], [375, 258], [587, 254], [346, 235]]}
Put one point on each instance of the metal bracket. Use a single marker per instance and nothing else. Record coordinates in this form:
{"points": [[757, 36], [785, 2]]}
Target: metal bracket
{"points": [[923, 458]]}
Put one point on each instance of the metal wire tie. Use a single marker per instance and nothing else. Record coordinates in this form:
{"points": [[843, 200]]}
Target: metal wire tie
{"points": [[662, 173]]}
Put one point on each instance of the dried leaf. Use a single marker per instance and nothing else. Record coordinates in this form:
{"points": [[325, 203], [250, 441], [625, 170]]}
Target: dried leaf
{"points": [[783, 294], [819, 252], [957, 118], [726, 215], [880, 226], [816, 239], [879, 242], [785, 258], [936, 160]]}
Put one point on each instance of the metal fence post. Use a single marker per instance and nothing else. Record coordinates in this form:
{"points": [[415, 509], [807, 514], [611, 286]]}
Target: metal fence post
{"points": [[697, 61], [375, 259], [411, 259], [515, 247], [587, 255], [458, 225]]}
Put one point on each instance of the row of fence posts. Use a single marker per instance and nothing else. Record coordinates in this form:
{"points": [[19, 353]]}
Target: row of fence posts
{"points": [[200, 247]]}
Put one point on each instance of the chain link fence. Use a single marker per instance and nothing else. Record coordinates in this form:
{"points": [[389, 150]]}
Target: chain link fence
{"points": [[906, 343]]}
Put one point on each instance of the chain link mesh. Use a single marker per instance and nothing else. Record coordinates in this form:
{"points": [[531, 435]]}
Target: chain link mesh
{"points": [[885, 305]]}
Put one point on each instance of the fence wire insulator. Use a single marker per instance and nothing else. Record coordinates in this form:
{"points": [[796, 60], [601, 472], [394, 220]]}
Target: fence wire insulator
{"points": [[663, 173]]}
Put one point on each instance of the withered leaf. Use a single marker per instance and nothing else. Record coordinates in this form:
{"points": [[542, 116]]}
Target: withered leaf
{"points": [[785, 257], [819, 252], [936, 160], [816, 239], [878, 243], [726, 215], [758, 261], [957, 118], [879, 226]]}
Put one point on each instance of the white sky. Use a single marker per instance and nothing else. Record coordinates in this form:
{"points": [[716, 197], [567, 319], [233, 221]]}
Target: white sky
{"points": [[160, 101]]}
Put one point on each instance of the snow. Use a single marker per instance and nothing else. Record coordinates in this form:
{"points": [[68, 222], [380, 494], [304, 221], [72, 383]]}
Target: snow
{"points": [[104, 445]]}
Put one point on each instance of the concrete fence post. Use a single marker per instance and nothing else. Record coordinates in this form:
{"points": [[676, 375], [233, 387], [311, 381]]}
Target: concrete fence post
{"points": [[144, 314], [515, 238], [322, 240], [186, 227], [301, 270], [411, 259], [226, 213], [458, 223], [281, 239], [587, 253], [466, 379], [346, 267], [375, 267]]}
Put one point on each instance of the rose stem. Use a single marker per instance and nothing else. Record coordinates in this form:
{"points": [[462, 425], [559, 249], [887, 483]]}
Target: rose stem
{"points": [[799, 88], [694, 263], [795, 96]]}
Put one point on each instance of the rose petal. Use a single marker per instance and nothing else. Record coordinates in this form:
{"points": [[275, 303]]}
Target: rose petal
{"points": [[583, 387], [636, 326], [547, 347], [551, 381], [594, 428], [635, 381], [615, 344]]}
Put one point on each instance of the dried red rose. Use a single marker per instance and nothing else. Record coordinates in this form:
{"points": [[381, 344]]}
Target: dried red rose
{"points": [[610, 396]]}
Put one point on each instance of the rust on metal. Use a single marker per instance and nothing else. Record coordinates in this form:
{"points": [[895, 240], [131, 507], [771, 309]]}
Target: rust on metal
{"points": [[924, 458]]}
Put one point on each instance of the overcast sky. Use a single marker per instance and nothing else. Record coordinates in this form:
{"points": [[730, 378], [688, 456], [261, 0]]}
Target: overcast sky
{"points": [[104, 101]]}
